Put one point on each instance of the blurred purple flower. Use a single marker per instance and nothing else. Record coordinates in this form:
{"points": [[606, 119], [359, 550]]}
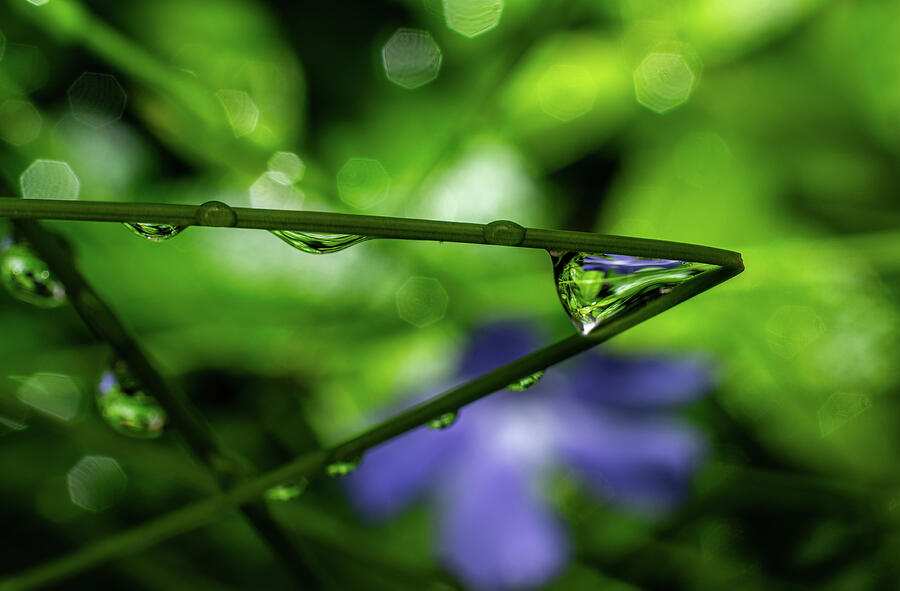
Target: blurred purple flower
{"points": [[608, 418], [624, 264]]}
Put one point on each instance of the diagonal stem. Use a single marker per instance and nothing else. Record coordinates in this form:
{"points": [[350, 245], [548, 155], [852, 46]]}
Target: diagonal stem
{"points": [[196, 432], [201, 513]]}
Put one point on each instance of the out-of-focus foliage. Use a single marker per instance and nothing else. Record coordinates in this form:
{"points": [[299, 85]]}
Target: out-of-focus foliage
{"points": [[770, 128]]}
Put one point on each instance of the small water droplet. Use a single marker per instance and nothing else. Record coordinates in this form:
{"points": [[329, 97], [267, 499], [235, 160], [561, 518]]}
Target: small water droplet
{"points": [[126, 407], [287, 492], [526, 382], [154, 232], [343, 466], [595, 288], [318, 243], [443, 421], [28, 278]]}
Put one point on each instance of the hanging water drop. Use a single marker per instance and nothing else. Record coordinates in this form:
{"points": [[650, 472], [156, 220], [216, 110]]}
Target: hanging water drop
{"points": [[443, 421], [126, 407], [318, 243], [28, 278], [154, 232], [595, 288], [343, 466], [526, 382], [287, 492]]}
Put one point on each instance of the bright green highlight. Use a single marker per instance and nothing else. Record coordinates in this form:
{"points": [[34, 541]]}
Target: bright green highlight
{"points": [[443, 421], [287, 492], [526, 382], [343, 467]]}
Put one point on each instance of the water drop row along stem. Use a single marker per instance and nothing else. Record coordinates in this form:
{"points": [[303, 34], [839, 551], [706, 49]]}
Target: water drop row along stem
{"points": [[498, 233], [310, 464]]}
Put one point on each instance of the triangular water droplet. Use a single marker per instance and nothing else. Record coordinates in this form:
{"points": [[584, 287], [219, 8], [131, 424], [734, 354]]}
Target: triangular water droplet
{"points": [[443, 421], [318, 243], [28, 278], [154, 232], [126, 407], [526, 382], [595, 288]]}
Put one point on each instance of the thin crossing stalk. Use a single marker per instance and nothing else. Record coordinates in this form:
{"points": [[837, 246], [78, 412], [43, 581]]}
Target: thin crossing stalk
{"points": [[106, 326]]}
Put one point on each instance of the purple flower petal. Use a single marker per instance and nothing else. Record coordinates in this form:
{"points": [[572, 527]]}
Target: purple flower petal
{"points": [[640, 382], [624, 264], [644, 463], [496, 344], [394, 473], [495, 532]]}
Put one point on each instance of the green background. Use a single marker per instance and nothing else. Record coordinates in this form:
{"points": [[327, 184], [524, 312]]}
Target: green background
{"points": [[786, 150]]}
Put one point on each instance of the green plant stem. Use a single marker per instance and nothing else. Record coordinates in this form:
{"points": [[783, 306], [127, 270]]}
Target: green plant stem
{"points": [[101, 320], [201, 513], [500, 233]]}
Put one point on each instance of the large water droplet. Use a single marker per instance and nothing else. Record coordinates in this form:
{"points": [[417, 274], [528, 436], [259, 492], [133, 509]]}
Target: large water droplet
{"points": [[287, 492], [126, 407], [318, 243], [343, 466], [154, 232], [595, 288], [28, 278], [526, 382], [443, 421]]}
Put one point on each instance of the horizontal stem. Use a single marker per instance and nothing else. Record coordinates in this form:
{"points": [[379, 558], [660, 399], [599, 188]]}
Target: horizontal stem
{"points": [[501, 232], [201, 513]]}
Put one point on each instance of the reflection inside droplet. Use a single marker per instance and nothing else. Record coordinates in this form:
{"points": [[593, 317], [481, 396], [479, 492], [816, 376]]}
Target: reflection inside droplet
{"points": [[28, 278], [595, 288], [154, 232], [443, 421], [526, 382], [318, 243], [126, 407]]}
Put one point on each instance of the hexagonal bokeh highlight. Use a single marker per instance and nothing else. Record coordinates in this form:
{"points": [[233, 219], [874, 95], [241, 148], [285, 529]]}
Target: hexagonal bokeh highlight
{"points": [[411, 58], [839, 409], [96, 483], [422, 301], [363, 182], [20, 122], [567, 92], [288, 165], [273, 190], [96, 99], [56, 395], [792, 329], [472, 17], [664, 81], [49, 179], [13, 418], [242, 112]]}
